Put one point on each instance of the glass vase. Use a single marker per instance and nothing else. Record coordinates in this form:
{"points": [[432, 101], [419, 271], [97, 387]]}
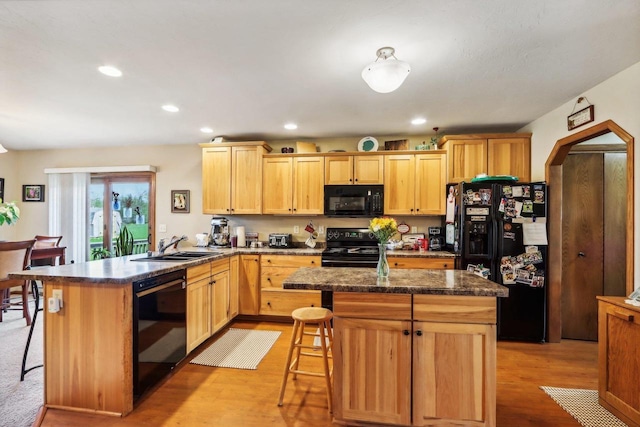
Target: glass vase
{"points": [[383, 264]]}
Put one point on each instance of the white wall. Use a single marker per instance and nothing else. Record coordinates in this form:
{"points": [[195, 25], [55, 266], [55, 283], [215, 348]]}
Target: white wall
{"points": [[617, 99]]}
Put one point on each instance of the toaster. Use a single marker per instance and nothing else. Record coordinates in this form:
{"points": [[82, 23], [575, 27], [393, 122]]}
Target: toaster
{"points": [[280, 240]]}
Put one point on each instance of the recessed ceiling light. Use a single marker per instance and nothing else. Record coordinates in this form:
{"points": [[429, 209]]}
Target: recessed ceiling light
{"points": [[418, 121], [291, 126], [170, 108], [206, 130], [110, 71]]}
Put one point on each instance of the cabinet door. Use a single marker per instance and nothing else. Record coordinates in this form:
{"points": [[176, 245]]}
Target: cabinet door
{"points": [[234, 268], [277, 185], [368, 169], [308, 184], [246, 185], [510, 156], [373, 370], [220, 296], [454, 373], [467, 158], [399, 184], [198, 313], [431, 179], [216, 180], [338, 170], [249, 284], [421, 263]]}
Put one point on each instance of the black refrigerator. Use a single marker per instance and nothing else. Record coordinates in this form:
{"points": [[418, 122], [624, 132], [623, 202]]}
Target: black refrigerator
{"points": [[499, 231]]}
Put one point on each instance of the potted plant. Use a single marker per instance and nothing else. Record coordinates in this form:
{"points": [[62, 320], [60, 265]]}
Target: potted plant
{"points": [[124, 242], [100, 253], [9, 213], [127, 202]]}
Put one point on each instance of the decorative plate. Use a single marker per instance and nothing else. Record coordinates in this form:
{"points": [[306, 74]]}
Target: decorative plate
{"points": [[368, 143]]}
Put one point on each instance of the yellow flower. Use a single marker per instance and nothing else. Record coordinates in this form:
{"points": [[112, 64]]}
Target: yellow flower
{"points": [[383, 228]]}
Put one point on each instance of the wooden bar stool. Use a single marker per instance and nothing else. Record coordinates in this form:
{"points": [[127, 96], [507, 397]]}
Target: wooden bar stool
{"points": [[320, 317]]}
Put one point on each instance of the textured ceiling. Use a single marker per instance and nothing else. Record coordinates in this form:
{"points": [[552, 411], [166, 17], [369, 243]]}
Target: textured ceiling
{"points": [[247, 67]]}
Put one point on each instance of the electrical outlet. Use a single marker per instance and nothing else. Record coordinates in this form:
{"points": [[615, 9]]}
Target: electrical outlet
{"points": [[162, 228], [320, 229], [57, 294], [414, 229], [296, 229]]}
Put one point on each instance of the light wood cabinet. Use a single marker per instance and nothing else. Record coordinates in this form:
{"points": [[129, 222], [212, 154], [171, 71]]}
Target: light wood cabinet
{"points": [[619, 359], [421, 263], [493, 154], [293, 185], [276, 301], [249, 284], [234, 269], [414, 184], [232, 177], [220, 284], [414, 360], [354, 169]]}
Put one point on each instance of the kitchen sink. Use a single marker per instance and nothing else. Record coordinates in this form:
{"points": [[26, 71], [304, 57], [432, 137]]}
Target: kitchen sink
{"points": [[178, 256]]}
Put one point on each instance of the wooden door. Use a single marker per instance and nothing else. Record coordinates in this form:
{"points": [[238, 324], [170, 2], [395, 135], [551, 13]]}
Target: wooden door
{"points": [[467, 158], [198, 313], [308, 185], [246, 185], [216, 180], [373, 370], [399, 183], [615, 224], [510, 156], [338, 170], [234, 268], [277, 185], [451, 376], [368, 169], [220, 296], [249, 284], [431, 179], [582, 246]]}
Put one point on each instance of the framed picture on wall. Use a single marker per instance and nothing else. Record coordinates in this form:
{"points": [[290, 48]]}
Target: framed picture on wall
{"points": [[33, 193], [180, 201], [1, 189]]}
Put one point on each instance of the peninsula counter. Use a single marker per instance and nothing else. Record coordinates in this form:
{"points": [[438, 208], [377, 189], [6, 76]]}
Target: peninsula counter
{"points": [[417, 349]]}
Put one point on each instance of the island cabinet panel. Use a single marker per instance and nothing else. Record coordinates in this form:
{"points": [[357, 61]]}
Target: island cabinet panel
{"points": [[88, 355], [372, 305], [454, 308], [276, 301], [421, 263], [249, 284], [619, 358], [373, 370]]}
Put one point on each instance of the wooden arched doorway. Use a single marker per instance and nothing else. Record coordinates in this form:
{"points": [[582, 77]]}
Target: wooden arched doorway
{"points": [[553, 176]]}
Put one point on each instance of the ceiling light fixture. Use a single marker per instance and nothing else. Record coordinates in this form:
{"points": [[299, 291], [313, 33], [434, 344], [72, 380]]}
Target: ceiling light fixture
{"points": [[170, 108], [110, 71], [2, 149], [419, 121], [206, 130], [388, 74], [291, 126]]}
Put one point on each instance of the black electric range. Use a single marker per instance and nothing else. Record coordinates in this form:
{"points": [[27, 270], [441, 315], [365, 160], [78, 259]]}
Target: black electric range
{"points": [[350, 247]]}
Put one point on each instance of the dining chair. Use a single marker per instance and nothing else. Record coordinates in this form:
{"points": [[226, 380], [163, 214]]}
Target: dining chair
{"points": [[47, 241], [14, 256]]}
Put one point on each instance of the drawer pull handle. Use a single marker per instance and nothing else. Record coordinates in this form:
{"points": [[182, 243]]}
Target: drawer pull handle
{"points": [[623, 316], [313, 262], [419, 333], [269, 303], [395, 264], [405, 332]]}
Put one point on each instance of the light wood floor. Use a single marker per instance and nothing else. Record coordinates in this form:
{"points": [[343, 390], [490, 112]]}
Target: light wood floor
{"points": [[205, 396]]}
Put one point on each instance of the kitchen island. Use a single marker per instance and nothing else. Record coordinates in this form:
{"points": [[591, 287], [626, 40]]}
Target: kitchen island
{"points": [[416, 349]]}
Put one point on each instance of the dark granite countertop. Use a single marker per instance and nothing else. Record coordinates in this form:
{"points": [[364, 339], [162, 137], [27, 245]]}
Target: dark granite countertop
{"points": [[405, 281], [122, 270]]}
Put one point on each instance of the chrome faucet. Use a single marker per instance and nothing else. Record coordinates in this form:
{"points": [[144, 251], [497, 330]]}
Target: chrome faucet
{"points": [[162, 247]]}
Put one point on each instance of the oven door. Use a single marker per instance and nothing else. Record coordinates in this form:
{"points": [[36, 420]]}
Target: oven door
{"points": [[159, 330]]}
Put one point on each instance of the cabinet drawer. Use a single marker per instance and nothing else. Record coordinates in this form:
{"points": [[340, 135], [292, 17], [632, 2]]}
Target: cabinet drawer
{"points": [[219, 266], [198, 272], [454, 309], [282, 303], [289, 261], [272, 277], [428, 263], [372, 306]]}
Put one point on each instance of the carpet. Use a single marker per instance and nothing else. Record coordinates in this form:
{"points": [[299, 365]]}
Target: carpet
{"points": [[238, 348], [583, 405]]}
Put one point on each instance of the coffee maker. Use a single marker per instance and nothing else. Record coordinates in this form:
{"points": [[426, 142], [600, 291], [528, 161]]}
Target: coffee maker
{"points": [[219, 235], [436, 238]]}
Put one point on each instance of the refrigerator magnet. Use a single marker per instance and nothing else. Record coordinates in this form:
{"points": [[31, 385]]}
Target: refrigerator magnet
{"points": [[526, 191], [527, 206], [516, 191], [538, 196]]}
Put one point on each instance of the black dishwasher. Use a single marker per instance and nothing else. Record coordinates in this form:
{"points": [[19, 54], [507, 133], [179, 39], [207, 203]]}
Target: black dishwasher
{"points": [[159, 328]]}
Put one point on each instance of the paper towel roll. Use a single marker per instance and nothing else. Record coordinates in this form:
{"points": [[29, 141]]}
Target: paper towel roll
{"points": [[242, 241]]}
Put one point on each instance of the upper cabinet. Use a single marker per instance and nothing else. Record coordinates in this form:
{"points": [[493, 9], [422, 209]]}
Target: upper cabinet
{"points": [[355, 169], [293, 185], [414, 183], [232, 177], [493, 154]]}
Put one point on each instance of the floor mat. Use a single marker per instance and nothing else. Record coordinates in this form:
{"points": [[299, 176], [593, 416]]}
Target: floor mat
{"points": [[583, 405]]}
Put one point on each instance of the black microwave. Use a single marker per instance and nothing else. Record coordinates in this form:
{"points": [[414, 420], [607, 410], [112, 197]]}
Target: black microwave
{"points": [[353, 200]]}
